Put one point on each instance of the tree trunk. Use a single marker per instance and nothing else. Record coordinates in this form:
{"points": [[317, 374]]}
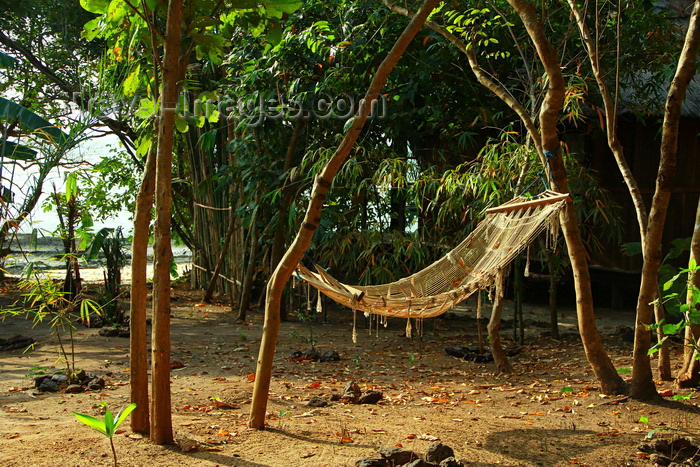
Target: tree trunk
{"points": [[643, 386], [222, 257], [616, 148], [494, 326], [610, 380], [689, 375], [553, 312], [161, 422], [138, 376], [312, 219], [287, 197], [247, 288]]}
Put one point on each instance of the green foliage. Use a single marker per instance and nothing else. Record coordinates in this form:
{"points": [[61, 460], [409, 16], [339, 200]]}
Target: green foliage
{"points": [[44, 299], [687, 304]]}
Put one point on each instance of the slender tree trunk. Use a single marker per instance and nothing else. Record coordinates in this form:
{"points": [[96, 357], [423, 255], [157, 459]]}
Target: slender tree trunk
{"points": [[287, 197], [689, 375], [312, 219], [616, 148], [494, 326], [553, 312], [222, 257], [138, 375], [610, 380], [643, 386], [247, 288], [161, 422]]}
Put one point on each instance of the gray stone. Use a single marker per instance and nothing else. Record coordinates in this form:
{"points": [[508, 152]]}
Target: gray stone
{"points": [[317, 401], [420, 463], [59, 378], [49, 385], [74, 389], [330, 356], [96, 384], [397, 456], [371, 462], [109, 332], [437, 452], [370, 397], [40, 379], [451, 462]]}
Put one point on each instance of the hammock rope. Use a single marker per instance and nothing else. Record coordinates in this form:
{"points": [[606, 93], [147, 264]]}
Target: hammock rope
{"points": [[473, 265]]}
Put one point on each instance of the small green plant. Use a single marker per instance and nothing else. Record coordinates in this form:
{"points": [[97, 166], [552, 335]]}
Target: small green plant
{"points": [[680, 397], [36, 370], [687, 302], [566, 389], [44, 299], [109, 425], [624, 370]]}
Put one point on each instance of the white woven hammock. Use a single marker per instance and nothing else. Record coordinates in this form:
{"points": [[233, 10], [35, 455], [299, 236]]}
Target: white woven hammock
{"points": [[506, 231]]}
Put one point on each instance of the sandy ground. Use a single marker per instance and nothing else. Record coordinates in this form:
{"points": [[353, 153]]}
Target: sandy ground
{"points": [[549, 412]]}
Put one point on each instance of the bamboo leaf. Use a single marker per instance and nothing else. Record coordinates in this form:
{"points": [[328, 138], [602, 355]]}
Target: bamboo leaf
{"points": [[91, 421]]}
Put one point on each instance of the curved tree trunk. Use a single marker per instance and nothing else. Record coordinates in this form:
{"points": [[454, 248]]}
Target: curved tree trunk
{"points": [[161, 422], [138, 376], [689, 375], [610, 381], [312, 218], [642, 381], [277, 250]]}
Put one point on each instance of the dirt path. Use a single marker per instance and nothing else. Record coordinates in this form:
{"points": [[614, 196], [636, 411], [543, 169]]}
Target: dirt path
{"points": [[549, 412]]}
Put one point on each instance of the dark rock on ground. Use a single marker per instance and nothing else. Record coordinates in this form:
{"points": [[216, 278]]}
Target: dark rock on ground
{"points": [[317, 401], [330, 356], [421, 463], [371, 462], [397, 456], [370, 397], [660, 445], [40, 379], [109, 332], [462, 350], [644, 447], [513, 350], [312, 354], [451, 462], [80, 376], [49, 385], [296, 354], [660, 459], [59, 378], [124, 333], [437, 452], [94, 321], [16, 342], [335, 397], [96, 384], [74, 389], [481, 358]]}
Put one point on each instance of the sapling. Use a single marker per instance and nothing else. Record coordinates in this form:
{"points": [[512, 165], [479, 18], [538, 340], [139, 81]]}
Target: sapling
{"points": [[107, 426]]}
